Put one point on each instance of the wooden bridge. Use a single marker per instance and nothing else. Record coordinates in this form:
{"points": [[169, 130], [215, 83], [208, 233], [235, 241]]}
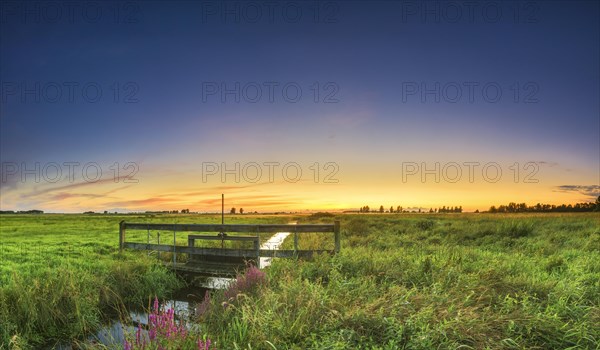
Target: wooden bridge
{"points": [[214, 261]]}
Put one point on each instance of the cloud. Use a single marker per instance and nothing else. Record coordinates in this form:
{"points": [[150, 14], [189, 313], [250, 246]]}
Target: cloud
{"points": [[548, 164], [36, 193], [151, 201], [8, 184], [65, 195], [591, 191]]}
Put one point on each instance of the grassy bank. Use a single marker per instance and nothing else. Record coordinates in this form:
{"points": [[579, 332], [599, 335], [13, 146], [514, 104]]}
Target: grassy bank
{"points": [[529, 281], [425, 282], [61, 276]]}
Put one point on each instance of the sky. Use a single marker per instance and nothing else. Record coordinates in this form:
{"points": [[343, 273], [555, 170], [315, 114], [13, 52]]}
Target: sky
{"points": [[298, 105]]}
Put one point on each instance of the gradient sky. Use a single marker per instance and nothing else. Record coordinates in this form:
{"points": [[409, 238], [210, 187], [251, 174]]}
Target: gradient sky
{"points": [[156, 62]]}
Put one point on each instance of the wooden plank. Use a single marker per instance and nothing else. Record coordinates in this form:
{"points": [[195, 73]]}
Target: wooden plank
{"points": [[226, 238], [231, 228], [291, 253], [247, 253], [250, 253], [222, 270], [336, 235]]}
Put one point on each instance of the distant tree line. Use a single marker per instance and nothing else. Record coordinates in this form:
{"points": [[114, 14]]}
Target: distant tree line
{"points": [[34, 211], [399, 209], [546, 208]]}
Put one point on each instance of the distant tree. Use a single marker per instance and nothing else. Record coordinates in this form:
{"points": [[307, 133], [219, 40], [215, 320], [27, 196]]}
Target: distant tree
{"points": [[232, 211], [241, 210], [381, 210], [391, 209], [399, 209], [431, 210], [106, 212], [477, 210]]}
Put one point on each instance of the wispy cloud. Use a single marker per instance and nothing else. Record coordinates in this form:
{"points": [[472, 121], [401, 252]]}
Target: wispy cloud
{"points": [[143, 203], [591, 191], [65, 195], [544, 163], [76, 185]]}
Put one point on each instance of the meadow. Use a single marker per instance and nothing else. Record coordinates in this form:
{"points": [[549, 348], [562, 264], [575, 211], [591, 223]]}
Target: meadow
{"points": [[401, 281]]}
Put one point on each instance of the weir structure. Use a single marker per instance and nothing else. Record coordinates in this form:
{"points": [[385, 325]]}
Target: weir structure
{"points": [[180, 241]]}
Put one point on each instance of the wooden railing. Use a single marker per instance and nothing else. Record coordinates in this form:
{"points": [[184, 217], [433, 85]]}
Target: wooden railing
{"points": [[255, 253]]}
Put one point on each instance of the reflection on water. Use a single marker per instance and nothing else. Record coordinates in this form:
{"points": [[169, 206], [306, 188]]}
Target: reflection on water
{"points": [[113, 334], [216, 282], [183, 303], [272, 244]]}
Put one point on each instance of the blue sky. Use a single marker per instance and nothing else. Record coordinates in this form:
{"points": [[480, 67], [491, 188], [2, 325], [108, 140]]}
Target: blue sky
{"points": [[365, 57]]}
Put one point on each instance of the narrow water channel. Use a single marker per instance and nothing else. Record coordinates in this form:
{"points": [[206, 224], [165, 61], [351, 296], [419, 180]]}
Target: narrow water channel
{"points": [[112, 334], [183, 303]]}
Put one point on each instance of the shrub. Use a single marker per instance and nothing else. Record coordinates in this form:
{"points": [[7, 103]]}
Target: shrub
{"points": [[517, 229], [245, 283], [425, 224], [357, 226]]}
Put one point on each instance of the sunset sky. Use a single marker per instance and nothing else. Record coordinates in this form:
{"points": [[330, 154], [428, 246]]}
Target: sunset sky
{"points": [[503, 97]]}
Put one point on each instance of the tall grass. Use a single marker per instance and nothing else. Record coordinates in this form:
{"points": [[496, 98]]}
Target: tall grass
{"points": [[520, 281], [427, 282]]}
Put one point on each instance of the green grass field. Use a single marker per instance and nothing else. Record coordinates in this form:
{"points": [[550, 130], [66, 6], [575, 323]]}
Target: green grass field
{"points": [[413, 281]]}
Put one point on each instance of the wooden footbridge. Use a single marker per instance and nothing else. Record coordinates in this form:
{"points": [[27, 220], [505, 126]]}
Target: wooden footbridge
{"points": [[221, 261]]}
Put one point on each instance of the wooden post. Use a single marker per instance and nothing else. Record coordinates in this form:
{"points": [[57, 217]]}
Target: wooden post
{"points": [[336, 233], [121, 235], [295, 239], [191, 244], [158, 242], [174, 251], [257, 247]]}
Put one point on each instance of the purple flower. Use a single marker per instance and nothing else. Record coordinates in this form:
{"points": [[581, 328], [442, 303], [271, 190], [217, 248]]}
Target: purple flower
{"points": [[203, 345]]}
